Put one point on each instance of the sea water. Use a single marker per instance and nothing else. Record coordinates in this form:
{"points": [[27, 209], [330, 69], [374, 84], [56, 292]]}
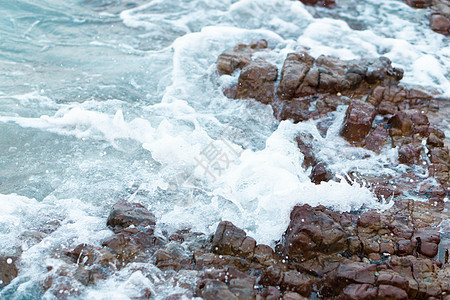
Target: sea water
{"points": [[105, 100]]}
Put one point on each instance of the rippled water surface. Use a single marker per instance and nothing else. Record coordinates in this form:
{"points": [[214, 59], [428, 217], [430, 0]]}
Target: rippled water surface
{"points": [[103, 100]]}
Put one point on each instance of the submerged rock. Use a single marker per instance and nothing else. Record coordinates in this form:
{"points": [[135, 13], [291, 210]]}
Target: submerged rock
{"points": [[8, 269]]}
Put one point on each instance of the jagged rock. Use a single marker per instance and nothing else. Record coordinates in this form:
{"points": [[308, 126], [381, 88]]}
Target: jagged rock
{"points": [[238, 57], [257, 81], [125, 214], [320, 173], [325, 3], [358, 121], [409, 154], [377, 139], [295, 68]]}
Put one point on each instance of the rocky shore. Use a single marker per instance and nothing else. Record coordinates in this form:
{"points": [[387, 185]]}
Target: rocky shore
{"points": [[394, 254]]}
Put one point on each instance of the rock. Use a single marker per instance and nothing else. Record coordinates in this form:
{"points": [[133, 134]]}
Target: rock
{"points": [[401, 124], [238, 57], [89, 255], [419, 3], [292, 296], [305, 144], [358, 121], [125, 214], [428, 240], [8, 270], [295, 68], [391, 292], [325, 3], [310, 231], [409, 154], [215, 289], [227, 239], [297, 282], [359, 291], [257, 81], [320, 173], [129, 243], [377, 139], [440, 23]]}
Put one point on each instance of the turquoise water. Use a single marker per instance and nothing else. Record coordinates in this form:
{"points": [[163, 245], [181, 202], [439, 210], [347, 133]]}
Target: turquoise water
{"points": [[108, 100]]}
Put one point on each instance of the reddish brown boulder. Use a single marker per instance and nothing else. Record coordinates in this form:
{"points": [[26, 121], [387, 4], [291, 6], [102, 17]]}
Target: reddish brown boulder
{"points": [[325, 3], [391, 292], [310, 231], [358, 121], [419, 3], [409, 154], [238, 57], [125, 214], [295, 68], [359, 292], [377, 139], [440, 23], [257, 81], [320, 173], [401, 124]]}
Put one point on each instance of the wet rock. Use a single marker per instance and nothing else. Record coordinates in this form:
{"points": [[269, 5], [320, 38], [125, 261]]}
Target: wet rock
{"points": [[377, 139], [215, 289], [125, 214], [409, 154], [297, 282], [358, 121], [257, 81], [428, 240], [391, 292], [89, 255], [419, 3], [293, 296], [310, 231], [227, 239], [173, 256], [129, 243], [8, 270], [401, 124], [320, 173], [440, 23], [359, 291], [324, 3], [295, 68], [305, 144], [238, 57]]}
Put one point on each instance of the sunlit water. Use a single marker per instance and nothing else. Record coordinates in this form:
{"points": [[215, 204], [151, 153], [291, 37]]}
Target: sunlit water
{"points": [[103, 100]]}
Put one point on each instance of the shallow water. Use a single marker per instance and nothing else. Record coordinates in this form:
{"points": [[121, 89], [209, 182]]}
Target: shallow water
{"points": [[103, 100]]}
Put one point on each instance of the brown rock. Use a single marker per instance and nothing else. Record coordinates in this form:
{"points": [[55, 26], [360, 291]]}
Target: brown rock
{"points": [[295, 68], [125, 214], [358, 121], [359, 291], [409, 154], [320, 173], [8, 270], [228, 239], [377, 139], [401, 124], [419, 3], [297, 282], [391, 292], [325, 3], [440, 23], [257, 81]]}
